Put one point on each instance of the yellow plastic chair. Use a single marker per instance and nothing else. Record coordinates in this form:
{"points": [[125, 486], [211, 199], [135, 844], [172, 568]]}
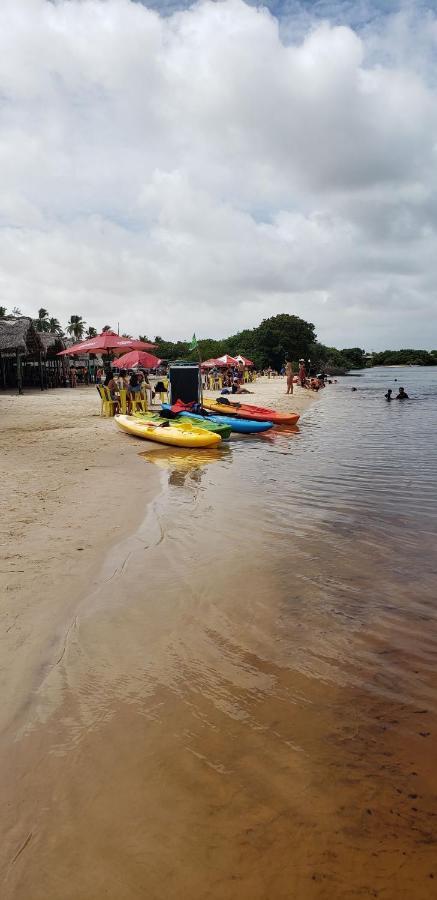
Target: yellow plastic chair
{"points": [[123, 402], [138, 402], [108, 405]]}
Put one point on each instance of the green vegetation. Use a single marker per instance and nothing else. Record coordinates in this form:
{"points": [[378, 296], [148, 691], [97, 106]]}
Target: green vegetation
{"points": [[271, 343], [405, 358]]}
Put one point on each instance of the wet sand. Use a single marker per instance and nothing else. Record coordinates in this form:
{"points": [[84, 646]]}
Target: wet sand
{"points": [[167, 732]]}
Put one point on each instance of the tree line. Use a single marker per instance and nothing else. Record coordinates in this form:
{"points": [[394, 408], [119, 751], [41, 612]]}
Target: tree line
{"points": [[275, 340]]}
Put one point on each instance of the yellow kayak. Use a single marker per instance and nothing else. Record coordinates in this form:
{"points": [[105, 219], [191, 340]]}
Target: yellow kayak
{"points": [[184, 434]]}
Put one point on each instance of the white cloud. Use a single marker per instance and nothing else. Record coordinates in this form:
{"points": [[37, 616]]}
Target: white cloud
{"points": [[195, 172]]}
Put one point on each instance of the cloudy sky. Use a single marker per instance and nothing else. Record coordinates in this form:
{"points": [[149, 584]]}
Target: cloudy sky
{"points": [[180, 168]]}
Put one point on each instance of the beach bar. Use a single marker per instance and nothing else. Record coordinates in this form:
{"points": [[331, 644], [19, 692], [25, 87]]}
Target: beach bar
{"points": [[27, 357]]}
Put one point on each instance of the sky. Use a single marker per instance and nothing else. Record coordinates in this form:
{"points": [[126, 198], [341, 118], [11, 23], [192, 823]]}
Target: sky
{"points": [[180, 168]]}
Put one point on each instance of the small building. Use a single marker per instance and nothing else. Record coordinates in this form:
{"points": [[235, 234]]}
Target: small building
{"points": [[28, 357]]}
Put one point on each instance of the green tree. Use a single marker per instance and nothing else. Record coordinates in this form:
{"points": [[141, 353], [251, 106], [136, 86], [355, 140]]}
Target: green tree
{"points": [[76, 327], [283, 337], [91, 332], [42, 322], [54, 326], [2, 312], [106, 328], [355, 356]]}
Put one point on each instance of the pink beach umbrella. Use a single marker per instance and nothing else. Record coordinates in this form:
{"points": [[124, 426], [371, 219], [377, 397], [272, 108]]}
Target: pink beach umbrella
{"points": [[137, 358], [242, 359]]}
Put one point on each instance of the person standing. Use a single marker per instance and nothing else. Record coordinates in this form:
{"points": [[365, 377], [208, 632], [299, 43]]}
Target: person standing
{"points": [[302, 373], [289, 376]]}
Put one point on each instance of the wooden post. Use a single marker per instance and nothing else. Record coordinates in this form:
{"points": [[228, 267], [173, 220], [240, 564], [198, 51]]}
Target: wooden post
{"points": [[3, 370], [19, 378], [41, 379]]}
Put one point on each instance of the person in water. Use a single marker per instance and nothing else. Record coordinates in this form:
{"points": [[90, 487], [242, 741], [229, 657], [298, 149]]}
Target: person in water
{"points": [[402, 395], [388, 395]]}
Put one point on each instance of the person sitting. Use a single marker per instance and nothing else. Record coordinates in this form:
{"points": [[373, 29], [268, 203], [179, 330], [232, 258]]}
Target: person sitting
{"points": [[402, 394], [112, 384], [134, 385], [237, 389], [123, 380]]}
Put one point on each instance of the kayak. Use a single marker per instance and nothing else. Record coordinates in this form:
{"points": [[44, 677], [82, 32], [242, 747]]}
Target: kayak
{"points": [[182, 435], [240, 426], [218, 427], [246, 411]]}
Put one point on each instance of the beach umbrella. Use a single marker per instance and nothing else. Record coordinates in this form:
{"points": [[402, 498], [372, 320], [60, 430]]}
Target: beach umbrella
{"points": [[227, 360], [242, 359], [136, 358], [214, 364], [106, 342]]}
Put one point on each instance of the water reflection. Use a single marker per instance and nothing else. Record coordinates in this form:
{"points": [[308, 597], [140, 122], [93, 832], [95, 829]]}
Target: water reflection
{"points": [[251, 697]]}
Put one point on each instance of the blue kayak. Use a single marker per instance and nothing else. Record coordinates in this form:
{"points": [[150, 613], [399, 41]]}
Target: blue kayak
{"points": [[240, 426]]}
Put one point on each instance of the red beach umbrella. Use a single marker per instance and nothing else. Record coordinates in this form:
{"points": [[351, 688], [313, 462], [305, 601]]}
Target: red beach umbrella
{"points": [[213, 364], [137, 358], [227, 360], [242, 359], [104, 343]]}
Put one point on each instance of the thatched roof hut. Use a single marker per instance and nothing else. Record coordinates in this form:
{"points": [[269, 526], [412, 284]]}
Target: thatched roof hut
{"points": [[27, 356], [19, 335], [52, 343]]}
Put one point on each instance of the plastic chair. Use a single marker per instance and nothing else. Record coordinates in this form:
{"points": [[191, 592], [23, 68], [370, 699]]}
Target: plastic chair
{"points": [[108, 405], [138, 402], [123, 402]]}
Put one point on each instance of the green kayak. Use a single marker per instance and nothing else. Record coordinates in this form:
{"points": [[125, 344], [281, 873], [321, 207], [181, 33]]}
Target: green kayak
{"points": [[224, 431]]}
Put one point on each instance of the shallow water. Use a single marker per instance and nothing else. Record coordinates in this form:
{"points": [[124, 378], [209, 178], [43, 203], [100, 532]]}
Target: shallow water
{"points": [[248, 696]]}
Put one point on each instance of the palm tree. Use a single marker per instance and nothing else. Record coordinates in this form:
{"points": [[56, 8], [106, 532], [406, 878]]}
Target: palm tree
{"points": [[144, 338], [16, 311], [106, 328], [128, 336], [42, 322], [76, 327], [91, 332], [55, 326]]}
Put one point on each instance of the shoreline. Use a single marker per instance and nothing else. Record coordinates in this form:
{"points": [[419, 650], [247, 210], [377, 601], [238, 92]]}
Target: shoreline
{"points": [[75, 510], [74, 487]]}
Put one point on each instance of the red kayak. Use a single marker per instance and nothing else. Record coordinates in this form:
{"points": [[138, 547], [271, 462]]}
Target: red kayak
{"points": [[246, 411]]}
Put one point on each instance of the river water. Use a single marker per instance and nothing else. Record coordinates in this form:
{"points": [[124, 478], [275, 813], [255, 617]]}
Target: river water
{"points": [[249, 693]]}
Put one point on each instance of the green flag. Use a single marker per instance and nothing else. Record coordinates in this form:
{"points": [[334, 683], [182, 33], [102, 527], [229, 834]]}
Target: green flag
{"points": [[193, 345]]}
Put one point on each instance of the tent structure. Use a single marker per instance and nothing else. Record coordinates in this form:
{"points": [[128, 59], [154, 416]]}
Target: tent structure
{"points": [[227, 360], [242, 359], [214, 364]]}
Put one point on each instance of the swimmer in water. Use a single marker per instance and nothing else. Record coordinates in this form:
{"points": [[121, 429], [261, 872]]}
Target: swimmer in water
{"points": [[388, 395], [402, 395]]}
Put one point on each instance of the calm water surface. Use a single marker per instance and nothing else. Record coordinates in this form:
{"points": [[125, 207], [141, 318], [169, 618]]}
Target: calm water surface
{"points": [[249, 692]]}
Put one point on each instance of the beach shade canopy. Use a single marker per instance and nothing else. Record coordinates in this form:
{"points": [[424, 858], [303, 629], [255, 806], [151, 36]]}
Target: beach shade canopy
{"points": [[242, 359], [104, 343], [214, 364], [136, 358], [227, 360]]}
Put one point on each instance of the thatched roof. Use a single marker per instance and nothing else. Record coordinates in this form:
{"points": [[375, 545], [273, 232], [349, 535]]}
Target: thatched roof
{"points": [[19, 333], [51, 342]]}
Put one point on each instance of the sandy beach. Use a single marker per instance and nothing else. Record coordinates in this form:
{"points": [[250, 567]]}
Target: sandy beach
{"points": [[73, 488]]}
